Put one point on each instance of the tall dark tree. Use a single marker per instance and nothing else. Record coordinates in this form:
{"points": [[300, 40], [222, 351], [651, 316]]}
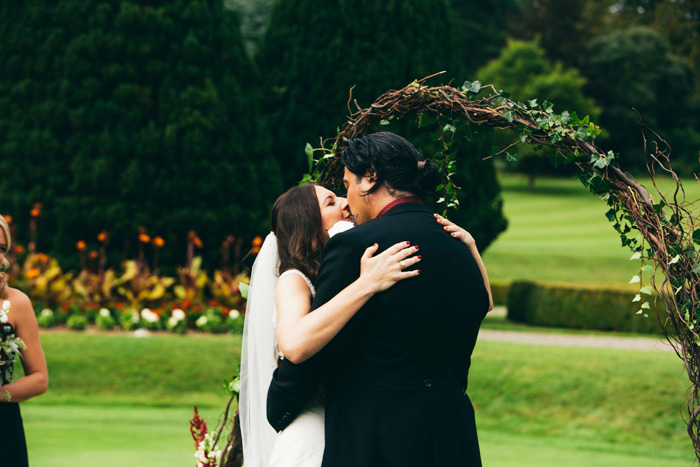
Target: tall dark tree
{"points": [[119, 114], [524, 71], [315, 51], [481, 30], [635, 69]]}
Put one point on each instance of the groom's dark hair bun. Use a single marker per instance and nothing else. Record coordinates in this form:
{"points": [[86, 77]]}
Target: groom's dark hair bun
{"points": [[393, 161]]}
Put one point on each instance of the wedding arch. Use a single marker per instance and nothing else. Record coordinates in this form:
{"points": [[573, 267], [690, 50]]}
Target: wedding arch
{"points": [[662, 233]]}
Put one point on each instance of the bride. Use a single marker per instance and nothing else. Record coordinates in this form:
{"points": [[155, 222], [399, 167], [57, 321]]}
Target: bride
{"points": [[278, 323]]}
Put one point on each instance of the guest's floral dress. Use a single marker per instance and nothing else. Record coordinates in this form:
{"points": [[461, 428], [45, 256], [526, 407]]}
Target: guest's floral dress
{"points": [[13, 446]]}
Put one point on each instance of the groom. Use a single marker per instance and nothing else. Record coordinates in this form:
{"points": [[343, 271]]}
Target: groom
{"points": [[395, 377]]}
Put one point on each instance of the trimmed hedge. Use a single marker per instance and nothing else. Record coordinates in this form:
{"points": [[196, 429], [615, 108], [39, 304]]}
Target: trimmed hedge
{"points": [[577, 306], [499, 291]]}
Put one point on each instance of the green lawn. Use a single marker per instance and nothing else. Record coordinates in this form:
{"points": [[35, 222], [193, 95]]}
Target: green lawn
{"points": [[560, 233], [116, 399]]}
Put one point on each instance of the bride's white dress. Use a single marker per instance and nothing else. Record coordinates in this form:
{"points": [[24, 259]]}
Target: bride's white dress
{"points": [[303, 441], [301, 444]]}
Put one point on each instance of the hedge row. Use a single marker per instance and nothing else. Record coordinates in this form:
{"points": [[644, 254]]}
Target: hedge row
{"points": [[576, 306]]}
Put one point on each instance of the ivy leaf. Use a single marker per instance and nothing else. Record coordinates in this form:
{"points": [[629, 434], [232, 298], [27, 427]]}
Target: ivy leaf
{"points": [[696, 235], [523, 133], [565, 118], [610, 214], [243, 288], [309, 150], [647, 268], [646, 290], [532, 103], [637, 255], [634, 280], [645, 306], [508, 115], [637, 298], [471, 86], [384, 122], [675, 259], [510, 157]]}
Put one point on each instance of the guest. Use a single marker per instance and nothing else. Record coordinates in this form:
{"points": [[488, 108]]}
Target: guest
{"points": [[19, 333]]}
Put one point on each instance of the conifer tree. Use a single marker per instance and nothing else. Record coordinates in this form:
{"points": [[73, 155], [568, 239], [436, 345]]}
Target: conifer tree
{"points": [[119, 114], [314, 52]]}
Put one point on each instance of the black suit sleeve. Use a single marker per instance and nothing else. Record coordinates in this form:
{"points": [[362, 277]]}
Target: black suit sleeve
{"points": [[293, 384]]}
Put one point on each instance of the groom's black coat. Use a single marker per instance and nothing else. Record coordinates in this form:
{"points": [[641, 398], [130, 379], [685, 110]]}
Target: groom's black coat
{"points": [[395, 377]]}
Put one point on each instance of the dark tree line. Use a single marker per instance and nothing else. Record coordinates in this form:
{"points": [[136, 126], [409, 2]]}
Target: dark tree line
{"points": [[120, 114]]}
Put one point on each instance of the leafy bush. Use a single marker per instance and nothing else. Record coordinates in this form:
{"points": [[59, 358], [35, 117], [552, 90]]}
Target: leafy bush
{"points": [[104, 320], [578, 307], [77, 322]]}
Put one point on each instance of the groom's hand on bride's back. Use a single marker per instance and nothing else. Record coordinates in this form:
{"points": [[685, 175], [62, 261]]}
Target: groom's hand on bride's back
{"points": [[380, 272]]}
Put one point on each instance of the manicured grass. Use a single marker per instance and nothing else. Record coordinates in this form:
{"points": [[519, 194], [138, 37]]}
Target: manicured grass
{"points": [[116, 399], [560, 233]]}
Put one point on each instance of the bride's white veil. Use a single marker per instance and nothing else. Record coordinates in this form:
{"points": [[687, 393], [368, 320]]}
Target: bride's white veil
{"points": [[258, 357]]}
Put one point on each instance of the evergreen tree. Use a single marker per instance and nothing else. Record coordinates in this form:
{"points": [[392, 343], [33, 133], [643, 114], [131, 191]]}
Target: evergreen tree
{"points": [[635, 69], [524, 71], [314, 52], [119, 114]]}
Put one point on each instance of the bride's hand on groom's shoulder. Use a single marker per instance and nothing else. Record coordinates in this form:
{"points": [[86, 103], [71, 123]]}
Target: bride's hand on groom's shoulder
{"points": [[387, 268], [456, 231]]}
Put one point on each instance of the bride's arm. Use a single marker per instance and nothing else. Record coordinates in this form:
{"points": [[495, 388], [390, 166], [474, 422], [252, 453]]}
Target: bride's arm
{"points": [[466, 238], [36, 379], [301, 334]]}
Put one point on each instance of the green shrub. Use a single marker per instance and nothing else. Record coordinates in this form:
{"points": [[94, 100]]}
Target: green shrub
{"points": [[105, 321], [46, 318], [579, 307], [234, 322], [130, 319], [77, 322]]}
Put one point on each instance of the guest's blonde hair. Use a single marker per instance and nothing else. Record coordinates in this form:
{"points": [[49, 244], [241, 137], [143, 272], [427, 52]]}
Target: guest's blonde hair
{"points": [[5, 266]]}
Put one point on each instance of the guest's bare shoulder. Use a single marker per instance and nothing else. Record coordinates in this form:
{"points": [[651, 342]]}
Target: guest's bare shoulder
{"points": [[19, 301]]}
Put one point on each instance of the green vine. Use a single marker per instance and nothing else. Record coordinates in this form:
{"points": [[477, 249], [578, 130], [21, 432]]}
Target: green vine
{"points": [[663, 235]]}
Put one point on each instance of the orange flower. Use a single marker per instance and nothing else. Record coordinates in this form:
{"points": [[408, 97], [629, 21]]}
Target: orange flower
{"points": [[191, 235], [102, 236], [43, 257], [118, 305], [198, 242], [93, 254], [33, 273], [144, 238], [158, 242], [213, 302], [257, 241], [81, 245], [19, 249], [8, 218], [225, 310], [186, 305], [255, 250], [36, 210]]}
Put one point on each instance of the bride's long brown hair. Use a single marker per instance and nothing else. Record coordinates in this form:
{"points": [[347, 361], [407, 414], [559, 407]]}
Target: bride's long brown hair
{"points": [[5, 265], [297, 224]]}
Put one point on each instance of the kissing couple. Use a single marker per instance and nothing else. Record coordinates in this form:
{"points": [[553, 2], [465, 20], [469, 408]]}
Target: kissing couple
{"points": [[357, 344]]}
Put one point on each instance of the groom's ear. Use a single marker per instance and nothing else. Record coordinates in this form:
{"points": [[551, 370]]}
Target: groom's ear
{"points": [[369, 179]]}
